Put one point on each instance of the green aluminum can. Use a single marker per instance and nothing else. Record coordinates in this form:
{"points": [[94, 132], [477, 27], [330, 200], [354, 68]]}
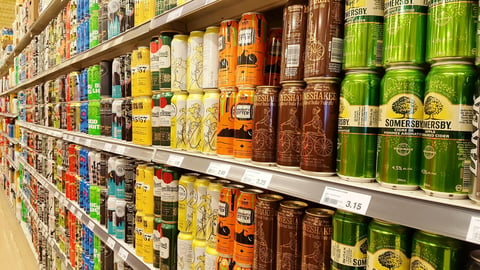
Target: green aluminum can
{"points": [[94, 82], [169, 4], [357, 126], [349, 241], [400, 128], [154, 68], [432, 251], [447, 124], [157, 190], [404, 32], [168, 246], [162, 113], [169, 203], [164, 61], [451, 30], [389, 246], [93, 24], [363, 34], [94, 126], [159, 7], [157, 236]]}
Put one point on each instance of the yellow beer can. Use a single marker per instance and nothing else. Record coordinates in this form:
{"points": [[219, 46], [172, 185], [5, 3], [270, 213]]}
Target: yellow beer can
{"points": [[194, 133], [178, 122], [148, 186], [147, 245], [186, 201], [184, 251], [142, 121], [210, 120], [139, 233], [143, 85]]}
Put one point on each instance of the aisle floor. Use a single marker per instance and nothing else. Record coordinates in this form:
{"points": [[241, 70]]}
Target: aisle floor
{"points": [[15, 252]]}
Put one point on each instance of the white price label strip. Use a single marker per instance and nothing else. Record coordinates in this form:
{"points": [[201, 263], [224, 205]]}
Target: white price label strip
{"points": [[209, 1], [346, 200], [218, 169], [91, 225], [88, 142], [473, 233], [107, 147], [120, 149], [111, 243], [257, 178], [172, 15], [72, 208], [175, 160], [122, 253]]}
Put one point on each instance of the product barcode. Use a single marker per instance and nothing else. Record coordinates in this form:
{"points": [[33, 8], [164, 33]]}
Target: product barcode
{"points": [[337, 50], [331, 201], [467, 175], [379, 52], [293, 55]]}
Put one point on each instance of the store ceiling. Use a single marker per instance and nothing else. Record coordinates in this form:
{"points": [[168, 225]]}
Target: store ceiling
{"points": [[7, 13]]}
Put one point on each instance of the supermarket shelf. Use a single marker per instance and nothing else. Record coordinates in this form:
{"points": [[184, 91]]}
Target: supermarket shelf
{"points": [[11, 139], [194, 15], [37, 27], [125, 251], [57, 133], [11, 115], [12, 163]]}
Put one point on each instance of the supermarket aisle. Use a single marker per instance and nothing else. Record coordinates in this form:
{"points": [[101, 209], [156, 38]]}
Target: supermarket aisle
{"points": [[15, 252]]}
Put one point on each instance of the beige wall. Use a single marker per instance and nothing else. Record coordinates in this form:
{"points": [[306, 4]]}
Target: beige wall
{"points": [[7, 13]]}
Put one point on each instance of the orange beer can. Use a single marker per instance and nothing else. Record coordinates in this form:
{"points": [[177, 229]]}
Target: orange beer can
{"points": [[227, 53], [226, 110], [227, 211], [243, 248], [273, 57], [243, 123], [252, 44], [224, 262]]}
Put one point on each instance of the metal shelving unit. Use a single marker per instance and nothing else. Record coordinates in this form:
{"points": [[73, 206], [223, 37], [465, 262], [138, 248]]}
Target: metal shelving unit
{"points": [[196, 14], [11, 115], [410, 208], [12, 163], [125, 251]]}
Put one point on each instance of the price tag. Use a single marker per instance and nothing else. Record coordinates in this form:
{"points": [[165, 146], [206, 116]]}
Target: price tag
{"points": [[175, 160], [88, 142], [209, 1], [72, 208], [256, 178], [122, 253], [120, 149], [218, 169], [172, 15], [78, 213], [111, 243], [346, 200], [91, 225], [62, 201], [107, 147], [473, 233]]}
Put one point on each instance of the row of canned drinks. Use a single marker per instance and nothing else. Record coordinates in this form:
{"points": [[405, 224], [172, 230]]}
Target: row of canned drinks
{"points": [[83, 249]]}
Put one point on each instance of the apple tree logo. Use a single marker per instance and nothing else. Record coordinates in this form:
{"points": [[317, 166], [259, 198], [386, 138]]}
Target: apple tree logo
{"points": [[405, 106], [390, 260], [433, 106]]}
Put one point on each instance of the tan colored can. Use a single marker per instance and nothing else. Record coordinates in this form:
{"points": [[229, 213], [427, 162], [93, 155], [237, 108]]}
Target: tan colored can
{"points": [[266, 231], [316, 238], [289, 231], [139, 233], [194, 131], [148, 227], [200, 212], [210, 121], [179, 121], [186, 201], [319, 127]]}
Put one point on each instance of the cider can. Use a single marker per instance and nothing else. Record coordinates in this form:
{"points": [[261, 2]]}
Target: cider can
{"points": [[243, 250], [265, 115], [433, 249], [210, 120], [178, 122], [227, 212], [194, 115], [243, 124], [252, 44], [289, 130], [195, 62], [226, 125], [210, 58], [186, 201], [179, 63], [142, 120], [227, 53]]}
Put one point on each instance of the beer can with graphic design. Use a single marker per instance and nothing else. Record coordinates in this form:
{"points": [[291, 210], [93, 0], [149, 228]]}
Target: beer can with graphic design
{"points": [[243, 124], [195, 62], [433, 251], [447, 130], [193, 129], [179, 53], [265, 113], [184, 251], [227, 212], [142, 121], [316, 238], [186, 201], [210, 57], [227, 53], [226, 126], [357, 126], [210, 120], [178, 122], [162, 113]]}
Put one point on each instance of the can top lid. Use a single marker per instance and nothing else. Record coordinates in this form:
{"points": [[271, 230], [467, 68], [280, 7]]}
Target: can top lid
{"points": [[246, 87], [241, 265], [404, 67], [229, 88], [270, 197], [229, 20], [452, 62], [207, 177], [212, 27], [221, 181], [210, 90], [234, 186], [293, 204], [252, 12], [142, 47], [180, 35], [293, 83], [252, 191], [194, 174], [361, 71], [197, 33], [226, 256], [322, 79], [475, 255], [320, 212], [268, 87], [384, 222]]}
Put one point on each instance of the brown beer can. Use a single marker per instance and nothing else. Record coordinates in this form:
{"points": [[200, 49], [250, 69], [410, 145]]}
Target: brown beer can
{"points": [[319, 127], [289, 232], [316, 239], [266, 231], [324, 38], [265, 108], [289, 131], [293, 40], [227, 212], [273, 57], [245, 227]]}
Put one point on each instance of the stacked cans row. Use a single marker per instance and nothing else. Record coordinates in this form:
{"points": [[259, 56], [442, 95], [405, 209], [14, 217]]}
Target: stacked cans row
{"points": [[378, 244]]}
